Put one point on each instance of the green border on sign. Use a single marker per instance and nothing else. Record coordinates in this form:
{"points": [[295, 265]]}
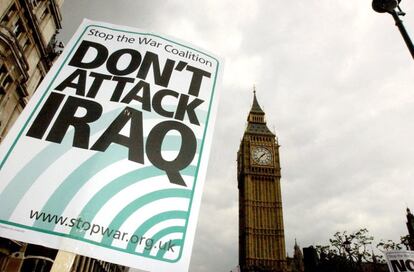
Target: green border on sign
{"points": [[197, 168]]}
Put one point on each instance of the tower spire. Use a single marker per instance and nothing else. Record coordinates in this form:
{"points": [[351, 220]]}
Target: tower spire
{"points": [[256, 118], [255, 106]]}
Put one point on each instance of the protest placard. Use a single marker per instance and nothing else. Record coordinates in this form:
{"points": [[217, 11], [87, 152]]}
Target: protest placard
{"points": [[109, 157]]}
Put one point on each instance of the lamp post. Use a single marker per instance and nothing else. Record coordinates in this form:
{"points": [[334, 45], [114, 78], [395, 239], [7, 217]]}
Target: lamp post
{"points": [[347, 246], [393, 7]]}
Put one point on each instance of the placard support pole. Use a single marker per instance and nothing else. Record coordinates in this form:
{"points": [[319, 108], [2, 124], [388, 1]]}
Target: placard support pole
{"points": [[63, 261]]}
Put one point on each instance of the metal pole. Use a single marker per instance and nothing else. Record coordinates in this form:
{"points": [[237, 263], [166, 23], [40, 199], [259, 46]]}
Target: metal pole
{"points": [[406, 37]]}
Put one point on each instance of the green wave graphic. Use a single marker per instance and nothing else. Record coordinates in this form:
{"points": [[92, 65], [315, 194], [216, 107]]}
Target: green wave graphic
{"points": [[94, 205], [141, 202], [143, 228], [24, 179], [62, 196], [162, 233], [58, 201]]}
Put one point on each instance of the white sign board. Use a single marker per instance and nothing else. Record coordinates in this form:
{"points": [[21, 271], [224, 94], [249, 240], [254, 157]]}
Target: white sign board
{"points": [[400, 260], [109, 157]]}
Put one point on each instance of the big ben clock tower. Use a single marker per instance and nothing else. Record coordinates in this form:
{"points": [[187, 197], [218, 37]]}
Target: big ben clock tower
{"points": [[261, 233]]}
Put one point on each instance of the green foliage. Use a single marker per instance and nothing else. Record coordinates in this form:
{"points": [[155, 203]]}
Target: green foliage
{"points": [[353, 252], [391, 245], [354, 246], [349, 252]]}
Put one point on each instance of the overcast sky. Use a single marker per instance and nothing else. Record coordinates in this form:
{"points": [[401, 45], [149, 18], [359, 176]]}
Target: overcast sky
{"points": [[335, 80]]}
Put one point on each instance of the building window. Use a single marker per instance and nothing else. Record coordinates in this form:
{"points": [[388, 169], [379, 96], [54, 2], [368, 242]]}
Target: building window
{"points": [[3, 75], [34, 3], [44, 12], [9, 15], [26, 44], [5, 80], [3, 71], [18, 28]]}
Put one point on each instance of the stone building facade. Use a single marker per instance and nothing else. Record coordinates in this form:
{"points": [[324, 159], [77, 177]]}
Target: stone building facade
{"points": [[27, 51]]}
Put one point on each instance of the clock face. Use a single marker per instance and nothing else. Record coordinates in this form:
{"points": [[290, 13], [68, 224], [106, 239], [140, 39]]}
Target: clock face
{"points": [[262, 155]]}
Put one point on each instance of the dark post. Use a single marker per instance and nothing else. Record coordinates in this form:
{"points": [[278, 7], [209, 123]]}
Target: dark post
{"points": [[399, 24], [392, 7], [310, 257], [410, 227]]}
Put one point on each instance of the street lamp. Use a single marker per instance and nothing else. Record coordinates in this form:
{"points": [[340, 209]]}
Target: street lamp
{"points": [[393, 7], [347, 246]]}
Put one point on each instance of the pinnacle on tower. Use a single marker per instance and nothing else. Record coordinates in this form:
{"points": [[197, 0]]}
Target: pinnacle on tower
{"points": [[256, 119], [256, 107]]}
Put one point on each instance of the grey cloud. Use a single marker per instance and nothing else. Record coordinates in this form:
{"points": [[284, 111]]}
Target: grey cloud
{"points": [[334, 79]]}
